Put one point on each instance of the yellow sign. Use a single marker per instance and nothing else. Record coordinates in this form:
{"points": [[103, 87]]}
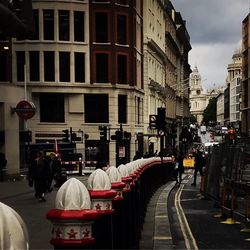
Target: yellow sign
{"points": [[188, 163]]}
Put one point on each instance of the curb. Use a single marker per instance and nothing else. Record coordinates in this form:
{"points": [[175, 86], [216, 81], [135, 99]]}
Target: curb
{"points": [[156, 230]]}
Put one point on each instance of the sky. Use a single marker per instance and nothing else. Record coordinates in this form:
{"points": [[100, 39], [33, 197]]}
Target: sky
{"points": [[214, 27]]}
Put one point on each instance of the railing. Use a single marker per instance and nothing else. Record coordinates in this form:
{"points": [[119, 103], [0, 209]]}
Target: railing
{"points": [[109, 214]]}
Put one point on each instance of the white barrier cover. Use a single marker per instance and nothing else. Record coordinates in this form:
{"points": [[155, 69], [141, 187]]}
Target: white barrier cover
{"points": [[123, 170], [13, 231], [73, 195], [114, 174], [99, 180]]}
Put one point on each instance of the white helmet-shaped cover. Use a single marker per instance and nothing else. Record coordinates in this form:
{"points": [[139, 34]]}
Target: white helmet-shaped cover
{"points": [[13, 231], [73, 195], [99, 180]]}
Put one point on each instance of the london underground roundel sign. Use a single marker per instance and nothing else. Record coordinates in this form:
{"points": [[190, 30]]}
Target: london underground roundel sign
{"points": [[25, 109]]}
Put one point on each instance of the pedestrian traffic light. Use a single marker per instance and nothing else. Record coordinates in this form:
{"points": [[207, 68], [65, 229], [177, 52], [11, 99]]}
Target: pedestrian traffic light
{"points": [[103, 133], [65, 135], [127, 136], [161, 119], [118, 135]]}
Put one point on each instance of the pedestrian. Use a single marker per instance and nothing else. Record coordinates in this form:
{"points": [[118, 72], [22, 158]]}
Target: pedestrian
{"points": [[179, 168], [40, 173], [199, 163], [55, 168], [3, 163], [137, 155]]}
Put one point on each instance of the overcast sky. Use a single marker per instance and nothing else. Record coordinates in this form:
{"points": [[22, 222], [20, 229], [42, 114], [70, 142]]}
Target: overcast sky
{"points": [[214, 27]]}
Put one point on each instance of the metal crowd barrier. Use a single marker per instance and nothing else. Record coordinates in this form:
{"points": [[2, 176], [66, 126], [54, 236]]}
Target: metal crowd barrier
{"points": [[227, 180]]}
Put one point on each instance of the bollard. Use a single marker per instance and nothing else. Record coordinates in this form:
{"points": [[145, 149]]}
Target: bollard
{"points": [[73, 217], [99, 187], [13, 231], [126, 219], [118, 204]]}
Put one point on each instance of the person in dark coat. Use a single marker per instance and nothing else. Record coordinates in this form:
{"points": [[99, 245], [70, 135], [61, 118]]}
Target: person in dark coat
{"points": [[58, 171], [3, 163], [199, 163], [40, 173], [137, 155]]}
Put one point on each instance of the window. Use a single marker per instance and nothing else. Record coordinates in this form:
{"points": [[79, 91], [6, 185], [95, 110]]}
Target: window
{"points": [[102, 66], [51, 107], [137, 110], [48, 24], [101, 27], [122, 109], [121, 29], [79, 67], [64, 66], [49, 66], [20, 61], [122, 69], [3, 66], [63, 25], [96, 108], [35, 35], [78, 26], [34, 66]]}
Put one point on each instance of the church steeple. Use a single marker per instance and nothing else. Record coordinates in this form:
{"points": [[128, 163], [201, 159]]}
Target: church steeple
{"points": [[195, 81]]}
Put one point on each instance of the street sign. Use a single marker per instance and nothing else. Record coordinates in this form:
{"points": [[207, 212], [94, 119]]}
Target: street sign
{"points": [[25, 109], [161, 132], [152, 121], [121, 151]]}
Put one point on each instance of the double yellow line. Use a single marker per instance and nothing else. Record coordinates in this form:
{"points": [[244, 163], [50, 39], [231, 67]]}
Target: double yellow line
{"points": [[190, 241]]}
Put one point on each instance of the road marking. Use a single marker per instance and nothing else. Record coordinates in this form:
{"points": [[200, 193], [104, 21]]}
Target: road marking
{"points": [[161, 216], [162, 238], [187, 233]]}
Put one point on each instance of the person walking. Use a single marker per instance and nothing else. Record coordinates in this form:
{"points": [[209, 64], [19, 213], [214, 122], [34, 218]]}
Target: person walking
{"points": [[180, 168], [199, 163], [40, 173]]}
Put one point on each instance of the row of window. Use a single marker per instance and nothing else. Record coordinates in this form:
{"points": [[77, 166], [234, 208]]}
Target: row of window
{"points": [[48, 18], [101, 31], [54, 102], [49, 66], [101, 73]]}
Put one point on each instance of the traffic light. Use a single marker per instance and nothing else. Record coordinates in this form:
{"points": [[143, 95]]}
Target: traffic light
{"points": [[127, 136], [103, 133], [174, 130], [66, 135], [118, 136], [161, 121]]}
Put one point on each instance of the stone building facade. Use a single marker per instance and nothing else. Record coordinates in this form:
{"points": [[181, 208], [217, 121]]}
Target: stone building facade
{"points": [[93, 64]]}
